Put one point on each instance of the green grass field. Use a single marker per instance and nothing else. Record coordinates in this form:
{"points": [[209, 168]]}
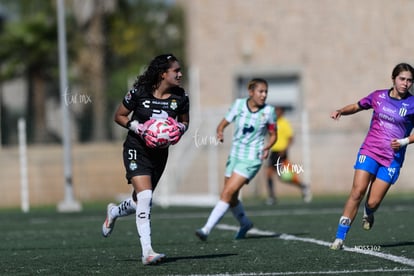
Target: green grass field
{"points": [[290, 238]]}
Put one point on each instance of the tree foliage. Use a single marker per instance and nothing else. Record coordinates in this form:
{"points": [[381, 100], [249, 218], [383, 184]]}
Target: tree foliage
{"points": [[134, 33], [29, 38], [29, 51], [138, 31], [28, 45]]}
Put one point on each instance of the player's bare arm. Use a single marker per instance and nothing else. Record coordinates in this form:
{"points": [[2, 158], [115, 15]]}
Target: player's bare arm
{"points": [[121, 115], [184, 119], [272, 140], [346, 110], [220, 129]]}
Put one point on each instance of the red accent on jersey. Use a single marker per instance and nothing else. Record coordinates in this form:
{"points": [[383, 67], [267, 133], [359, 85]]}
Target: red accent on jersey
{"points": [[271, 127]]}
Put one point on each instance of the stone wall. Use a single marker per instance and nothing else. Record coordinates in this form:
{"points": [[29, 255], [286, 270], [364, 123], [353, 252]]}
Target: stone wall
{"points": [[97, 173]]}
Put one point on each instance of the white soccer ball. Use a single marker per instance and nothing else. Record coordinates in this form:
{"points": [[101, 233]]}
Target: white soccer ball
{"points": [[161, 129]]}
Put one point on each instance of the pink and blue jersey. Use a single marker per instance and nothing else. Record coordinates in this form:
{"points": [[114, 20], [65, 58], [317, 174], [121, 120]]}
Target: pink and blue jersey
{"points": [[391, 119]]}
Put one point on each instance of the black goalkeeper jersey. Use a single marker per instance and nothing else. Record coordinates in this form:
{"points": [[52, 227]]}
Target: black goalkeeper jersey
{"points": [[145, 106], [138, 158]]}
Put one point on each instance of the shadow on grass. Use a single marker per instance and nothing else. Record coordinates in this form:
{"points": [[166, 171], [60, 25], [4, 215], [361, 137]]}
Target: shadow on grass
{"points": [[272, 235], [192, 257], [199, 257], [396, 244]]}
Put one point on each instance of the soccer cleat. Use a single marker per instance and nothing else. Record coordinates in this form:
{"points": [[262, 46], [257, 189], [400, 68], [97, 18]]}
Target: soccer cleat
{"points": [[338, 244], [306, 194], [109, 223], [153, 258], [200, 233], [241, 234], [367, 221], [271, 201]]}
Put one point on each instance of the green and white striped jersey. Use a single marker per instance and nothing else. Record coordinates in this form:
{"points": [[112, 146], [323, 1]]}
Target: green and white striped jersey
{"points": [[250, 129]]}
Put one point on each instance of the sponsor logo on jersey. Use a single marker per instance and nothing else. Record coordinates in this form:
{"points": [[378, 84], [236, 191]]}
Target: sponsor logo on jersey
{"points": [[162, 103], [248, 129], [386, 117], [389, 110], [159, 114], [146, 104], [391, 172]]}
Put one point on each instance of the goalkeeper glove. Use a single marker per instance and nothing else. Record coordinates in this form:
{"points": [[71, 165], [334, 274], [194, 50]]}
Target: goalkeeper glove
{"points": [[177, 130], [138, 128], [150, 139]]}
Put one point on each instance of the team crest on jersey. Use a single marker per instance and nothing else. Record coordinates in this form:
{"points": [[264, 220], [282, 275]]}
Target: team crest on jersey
{"points": [[403, 110], [173, 105], [133, 166], [264, 117], [362, 158]]}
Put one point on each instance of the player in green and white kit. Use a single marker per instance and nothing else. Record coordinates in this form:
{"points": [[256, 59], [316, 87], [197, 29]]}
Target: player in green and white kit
{"points": [[253, 119]]}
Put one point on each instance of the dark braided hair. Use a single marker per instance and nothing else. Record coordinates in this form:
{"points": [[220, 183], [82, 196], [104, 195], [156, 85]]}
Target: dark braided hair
{"points": [[151, 78]]}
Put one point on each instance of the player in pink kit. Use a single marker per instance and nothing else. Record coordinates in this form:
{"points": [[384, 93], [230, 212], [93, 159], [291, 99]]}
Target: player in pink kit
{"points": [[381, 155]]}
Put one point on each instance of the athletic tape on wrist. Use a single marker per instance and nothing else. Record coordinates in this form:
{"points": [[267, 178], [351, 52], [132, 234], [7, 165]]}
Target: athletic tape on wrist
{"points": [[403, 141]]}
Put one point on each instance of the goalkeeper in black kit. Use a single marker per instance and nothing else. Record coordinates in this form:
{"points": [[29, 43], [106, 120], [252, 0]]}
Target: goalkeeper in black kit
{"points": [[156, 94]]}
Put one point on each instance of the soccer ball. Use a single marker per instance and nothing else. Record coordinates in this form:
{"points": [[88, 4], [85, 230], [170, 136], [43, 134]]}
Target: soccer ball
{"points": [[161, 129]]}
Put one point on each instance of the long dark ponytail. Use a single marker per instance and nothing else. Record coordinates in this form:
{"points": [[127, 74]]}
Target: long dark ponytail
{"points": [[151, 78]]}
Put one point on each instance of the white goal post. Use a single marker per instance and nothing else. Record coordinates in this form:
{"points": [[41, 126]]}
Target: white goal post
{"points": [[24, 183]]}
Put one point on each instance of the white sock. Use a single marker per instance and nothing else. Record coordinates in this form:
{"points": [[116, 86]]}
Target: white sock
{"points": [[216, 214], [239, 214], [125, 208], [345, 221], [143, 220]]}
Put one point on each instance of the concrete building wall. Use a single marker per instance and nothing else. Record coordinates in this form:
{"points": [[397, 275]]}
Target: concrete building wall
{"points": [[97, 174], [340, 50]]}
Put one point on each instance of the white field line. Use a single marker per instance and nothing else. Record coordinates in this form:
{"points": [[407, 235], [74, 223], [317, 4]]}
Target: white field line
{"points": [[292, 212], [255, 231], [329, 272]]}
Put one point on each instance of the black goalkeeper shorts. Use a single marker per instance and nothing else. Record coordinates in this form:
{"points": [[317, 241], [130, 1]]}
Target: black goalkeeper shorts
{"points": [[141, 160]]}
